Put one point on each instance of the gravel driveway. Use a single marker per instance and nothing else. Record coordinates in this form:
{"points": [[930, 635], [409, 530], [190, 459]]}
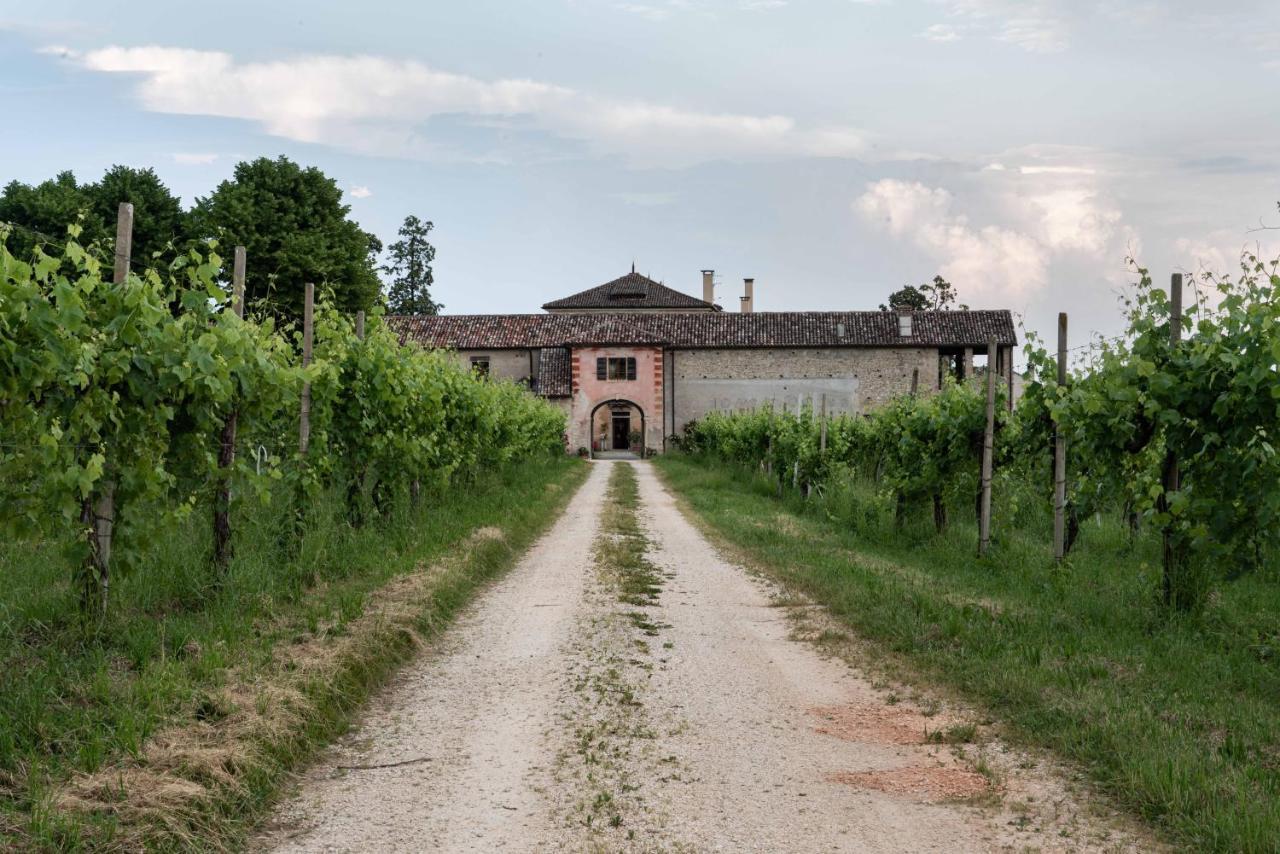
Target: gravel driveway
{"points": [[553, 716]]}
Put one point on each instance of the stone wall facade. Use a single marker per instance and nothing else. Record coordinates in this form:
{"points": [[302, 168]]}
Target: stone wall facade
{"points": [[674, 387], [504, 364], [590, 395], [853, 379]]}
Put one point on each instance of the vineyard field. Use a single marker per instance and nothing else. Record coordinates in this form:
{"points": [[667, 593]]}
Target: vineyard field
{"points": [[1172, 716]]}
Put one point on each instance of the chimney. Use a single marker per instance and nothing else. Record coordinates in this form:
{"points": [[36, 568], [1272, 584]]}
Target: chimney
{"points": [[708, 286], [904, 323], [748, 298]]}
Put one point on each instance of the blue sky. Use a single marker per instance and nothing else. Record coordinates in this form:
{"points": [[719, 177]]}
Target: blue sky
{"points": [[832, 149]]}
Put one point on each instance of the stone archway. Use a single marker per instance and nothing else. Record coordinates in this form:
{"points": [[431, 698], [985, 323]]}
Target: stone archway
{"points": [[615, 438]]}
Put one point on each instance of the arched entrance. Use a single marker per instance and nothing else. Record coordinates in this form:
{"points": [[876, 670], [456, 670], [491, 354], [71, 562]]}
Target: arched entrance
{"points": [[617, 428]]}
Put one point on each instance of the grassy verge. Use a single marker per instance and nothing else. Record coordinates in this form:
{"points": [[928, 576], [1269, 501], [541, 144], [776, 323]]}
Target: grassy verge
{"points": [[173, 726], [1176, 718]]}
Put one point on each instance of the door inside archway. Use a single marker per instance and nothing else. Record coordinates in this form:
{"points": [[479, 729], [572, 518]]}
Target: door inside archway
{"points": [[621, 429]]}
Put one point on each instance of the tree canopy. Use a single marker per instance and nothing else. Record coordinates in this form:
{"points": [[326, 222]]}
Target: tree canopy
{"points": [[49, 207], [938, 295], [295, 228], [409, 265]]}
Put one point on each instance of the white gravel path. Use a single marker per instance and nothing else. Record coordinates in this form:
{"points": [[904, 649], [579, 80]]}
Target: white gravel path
{"points": [[717, 747]]}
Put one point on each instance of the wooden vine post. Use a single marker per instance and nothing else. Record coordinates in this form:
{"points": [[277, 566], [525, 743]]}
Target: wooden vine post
{"points": [[308, 321], [1171, 477], [227, 446], [360, 325], [822, 436], [1060, 454], [98, 510], [988, 447], [915, 381]]}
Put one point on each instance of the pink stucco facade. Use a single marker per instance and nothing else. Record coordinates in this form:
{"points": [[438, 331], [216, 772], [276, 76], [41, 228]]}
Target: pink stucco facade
{"points": [[592, 396]]}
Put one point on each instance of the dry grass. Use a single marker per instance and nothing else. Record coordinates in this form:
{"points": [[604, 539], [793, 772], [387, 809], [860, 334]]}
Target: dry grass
{"points": [[198, 785]]}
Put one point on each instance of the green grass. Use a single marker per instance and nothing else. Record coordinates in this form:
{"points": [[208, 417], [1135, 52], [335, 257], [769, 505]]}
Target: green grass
{"points": [[1177, 718], [72, 701]]}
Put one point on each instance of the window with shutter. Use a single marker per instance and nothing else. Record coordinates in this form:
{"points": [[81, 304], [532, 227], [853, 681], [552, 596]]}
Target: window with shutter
{"points": [[631, 368], [600, 368]]}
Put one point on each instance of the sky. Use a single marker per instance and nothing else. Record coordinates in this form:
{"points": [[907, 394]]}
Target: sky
{"points": [[834, 150]]}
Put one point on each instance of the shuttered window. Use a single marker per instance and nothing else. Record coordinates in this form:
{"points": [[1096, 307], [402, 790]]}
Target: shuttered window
{"points": [[616, 368]]}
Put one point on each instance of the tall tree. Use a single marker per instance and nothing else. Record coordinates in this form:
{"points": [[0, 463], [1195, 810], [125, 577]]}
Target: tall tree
{"points": [[49, 207], [295, 228], [159, 223], [45, 210], [938, 295], [409, 266]]}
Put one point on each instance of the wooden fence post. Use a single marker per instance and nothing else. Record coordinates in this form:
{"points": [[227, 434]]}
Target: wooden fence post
{"points": [[98, 511], [1171, 477], [1060, 454], [304, 420], [988, 447], [822, 436], [227, 446]]}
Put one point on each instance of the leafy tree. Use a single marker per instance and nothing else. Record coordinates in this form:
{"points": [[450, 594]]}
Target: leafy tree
{"points": [[46, 209], [49, 207], [938, 295], [159, 223], [410, 269], [295, 228]]}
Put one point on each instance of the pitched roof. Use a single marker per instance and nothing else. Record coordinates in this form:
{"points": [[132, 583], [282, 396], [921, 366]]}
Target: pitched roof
{"points": [[631, 291], [553, 372], [708, 330]]}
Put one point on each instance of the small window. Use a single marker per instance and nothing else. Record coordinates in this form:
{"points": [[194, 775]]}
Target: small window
{"points": [[616, 368], [904, 325], [480, 365]]}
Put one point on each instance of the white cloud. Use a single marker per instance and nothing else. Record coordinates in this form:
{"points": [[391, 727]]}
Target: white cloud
{"points": [[1037, 26], [1033, 222], [1057, 170], [359, 191], [941, 33], [379, 106], [1220, 252], [193, 158], [646, 200], [987, 261]]}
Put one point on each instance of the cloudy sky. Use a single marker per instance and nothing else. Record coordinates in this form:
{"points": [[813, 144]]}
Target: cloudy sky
{"points": [[833, 149]]}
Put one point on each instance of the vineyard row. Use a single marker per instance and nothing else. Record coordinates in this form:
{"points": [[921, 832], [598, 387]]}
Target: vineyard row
{"points": [[124, 396]]}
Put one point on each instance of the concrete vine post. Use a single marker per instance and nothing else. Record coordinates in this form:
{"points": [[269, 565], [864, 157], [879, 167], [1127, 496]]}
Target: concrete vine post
{"points": [[98, 510], [1171, 478], [227, 445], [1060, 454], [988, 448]]}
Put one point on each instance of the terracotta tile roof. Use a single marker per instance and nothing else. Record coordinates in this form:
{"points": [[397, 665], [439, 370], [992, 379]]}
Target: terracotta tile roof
{"points": [[553, 372], [708, 330], [631, 291]]}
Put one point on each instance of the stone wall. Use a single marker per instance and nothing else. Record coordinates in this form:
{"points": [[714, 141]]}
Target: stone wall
{"points": [[503, 364], [853, 379], [645, 391]]}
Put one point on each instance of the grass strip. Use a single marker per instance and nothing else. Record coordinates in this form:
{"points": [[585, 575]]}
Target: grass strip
{"points": [[1175, 718], [221, 701]]}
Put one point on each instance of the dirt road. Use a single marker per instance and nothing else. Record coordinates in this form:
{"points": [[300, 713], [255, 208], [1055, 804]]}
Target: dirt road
{"points": [[557, 715]]}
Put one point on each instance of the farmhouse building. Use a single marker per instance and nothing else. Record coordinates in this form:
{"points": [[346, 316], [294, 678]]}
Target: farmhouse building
{"points": [[633, 361]]}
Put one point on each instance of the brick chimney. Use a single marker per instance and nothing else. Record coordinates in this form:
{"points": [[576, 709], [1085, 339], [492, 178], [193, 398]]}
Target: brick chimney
{"points": [[708, 286], [748, 295]]}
